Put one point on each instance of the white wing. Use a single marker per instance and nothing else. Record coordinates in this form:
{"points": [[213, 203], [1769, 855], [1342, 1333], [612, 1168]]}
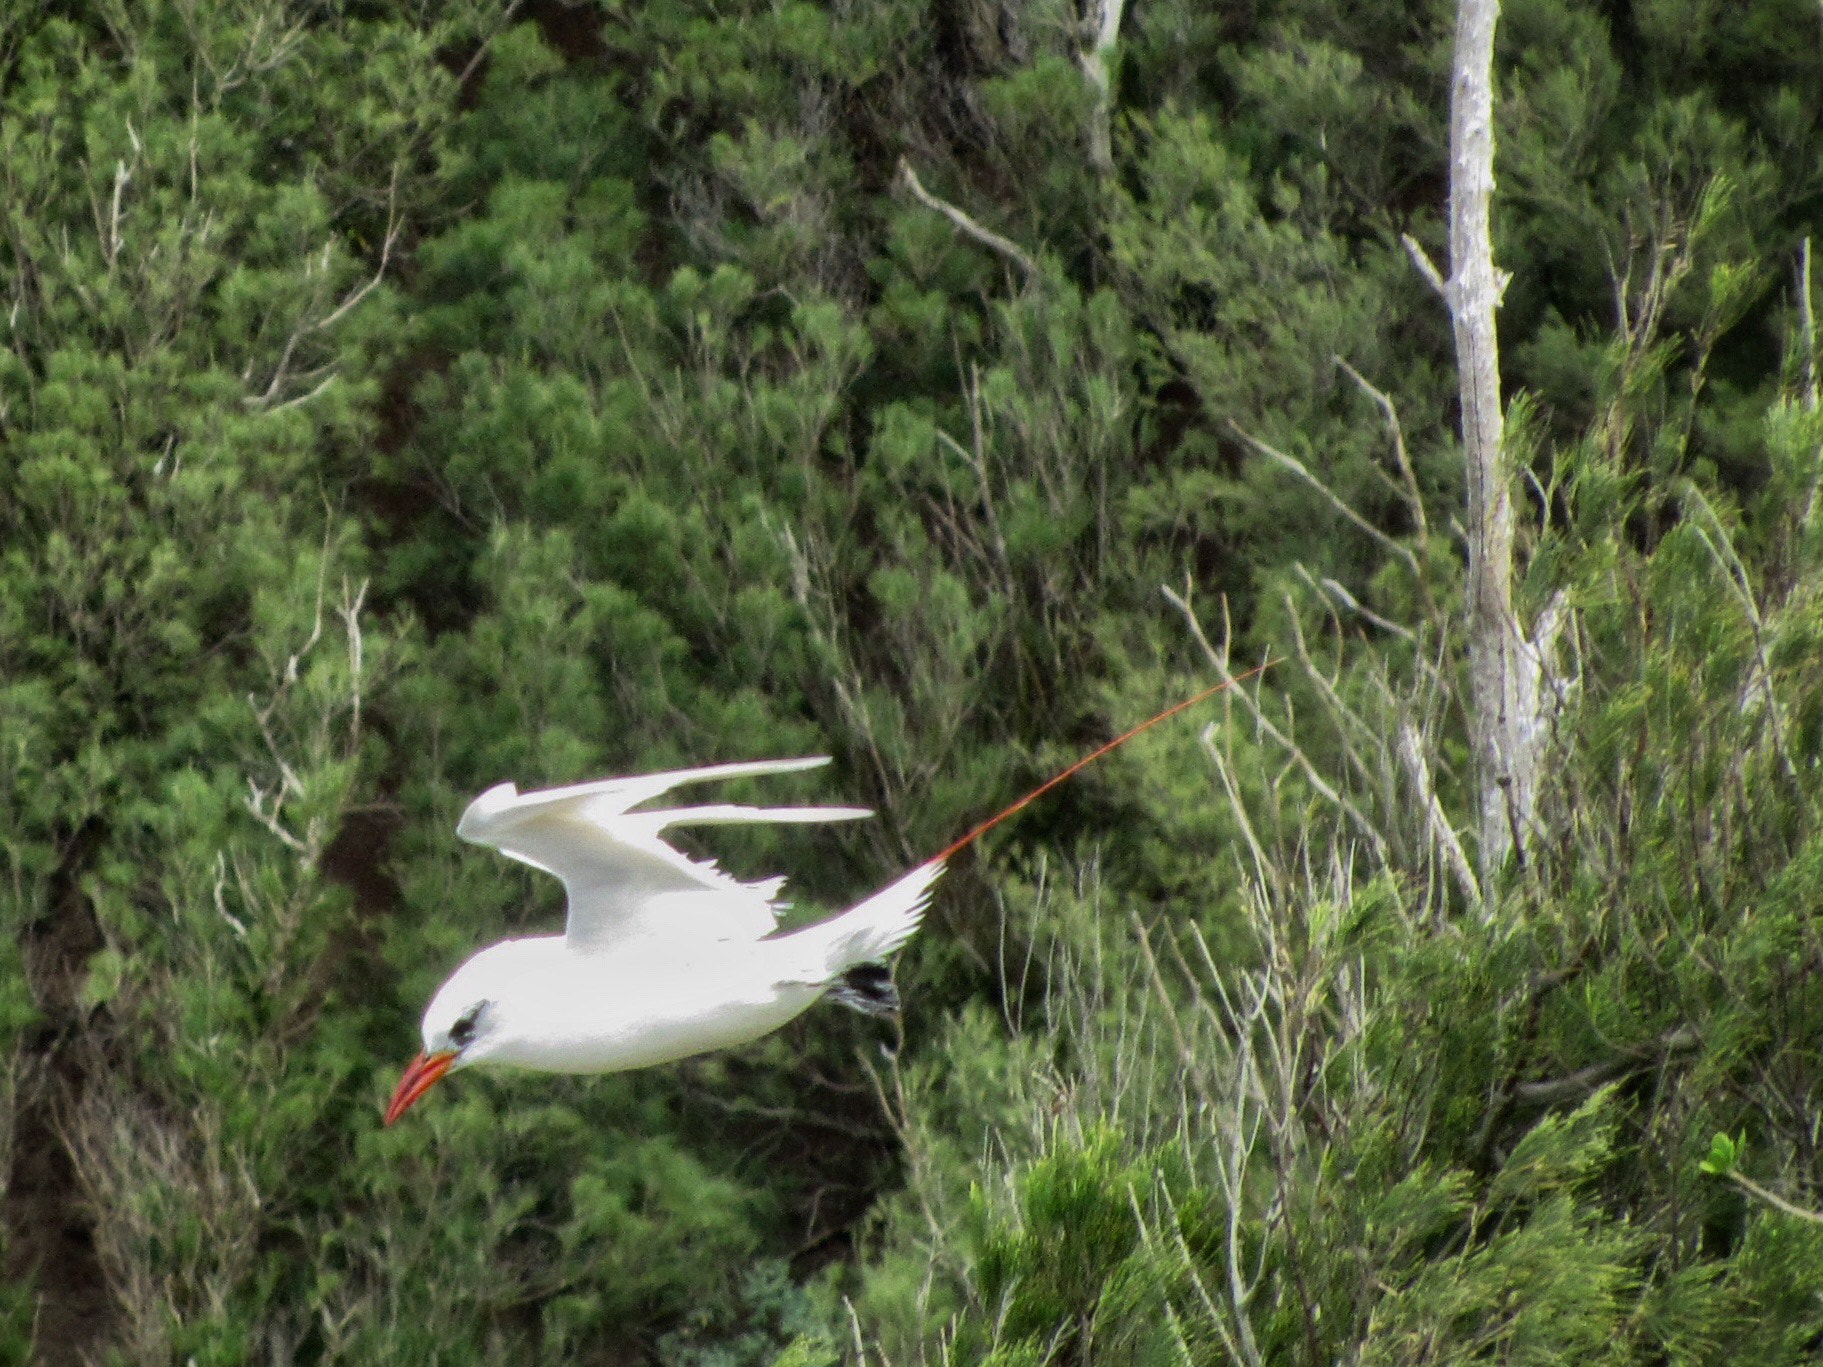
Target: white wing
{"points": [[624, 882]]}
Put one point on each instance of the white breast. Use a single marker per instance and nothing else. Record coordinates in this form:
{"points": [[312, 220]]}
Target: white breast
{"points": [[602, 1013]]}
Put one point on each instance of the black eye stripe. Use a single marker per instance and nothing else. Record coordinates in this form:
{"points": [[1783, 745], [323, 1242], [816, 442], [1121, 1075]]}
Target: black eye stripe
{"points": [[464, 1029]]}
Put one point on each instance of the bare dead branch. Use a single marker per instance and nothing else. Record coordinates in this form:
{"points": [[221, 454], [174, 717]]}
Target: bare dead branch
{"points": [[1413, 497], [307, 327], [121, 177], [1573, 1087], [1773, 1199], [987, 237], [299, 400], [1292, 749], [350, 613], [976, 457], [1807, 327], [1168, 1009], [1418, 770], [1302, 471], [1426, 267], [1347, 721], [1094, 62], [1807, 338], [1237, 805], [218, 892], [501, 26], [1330, 588], [1720, 545]]}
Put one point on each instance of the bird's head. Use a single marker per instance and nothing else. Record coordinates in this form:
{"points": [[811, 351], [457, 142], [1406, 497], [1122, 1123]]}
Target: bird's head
{"points": [[461, 1024]]}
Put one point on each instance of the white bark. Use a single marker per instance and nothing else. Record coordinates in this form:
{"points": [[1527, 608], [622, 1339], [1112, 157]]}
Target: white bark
{"points": [[1510, 704], [1105, 26]]}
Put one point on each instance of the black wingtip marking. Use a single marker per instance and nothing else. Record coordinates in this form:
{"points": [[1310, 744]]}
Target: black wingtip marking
{"points": [[867, 988]]}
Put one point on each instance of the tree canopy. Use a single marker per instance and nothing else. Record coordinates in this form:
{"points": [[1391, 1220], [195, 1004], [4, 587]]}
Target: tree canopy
{"points": [[399, 400]]}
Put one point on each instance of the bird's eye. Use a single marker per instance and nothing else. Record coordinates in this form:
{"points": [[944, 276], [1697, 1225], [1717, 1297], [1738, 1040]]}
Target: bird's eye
{"points": [[464, 1029]]}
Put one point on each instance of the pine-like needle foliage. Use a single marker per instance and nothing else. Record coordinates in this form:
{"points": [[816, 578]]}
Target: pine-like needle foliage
{"points": [[399, 399]]}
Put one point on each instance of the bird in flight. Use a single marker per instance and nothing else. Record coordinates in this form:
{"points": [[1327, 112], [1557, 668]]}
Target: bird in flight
{"points": [[663, 956]]}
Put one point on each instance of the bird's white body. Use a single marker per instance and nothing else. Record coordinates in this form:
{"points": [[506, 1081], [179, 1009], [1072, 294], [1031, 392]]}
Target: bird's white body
{"points": [[662, 956], [606, 1012]]}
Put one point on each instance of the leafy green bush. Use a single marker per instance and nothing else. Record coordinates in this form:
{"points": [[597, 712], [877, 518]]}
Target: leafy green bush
{"points": [[393, 403]]}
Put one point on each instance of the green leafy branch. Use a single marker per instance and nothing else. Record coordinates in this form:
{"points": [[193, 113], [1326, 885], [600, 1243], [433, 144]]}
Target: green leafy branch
{"points": [[1724, 1162]]}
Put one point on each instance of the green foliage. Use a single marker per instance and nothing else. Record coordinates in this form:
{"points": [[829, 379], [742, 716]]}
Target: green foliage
{"points": [[769, 1321], [1070, 1275], [396, 401], [1724, 1153]]}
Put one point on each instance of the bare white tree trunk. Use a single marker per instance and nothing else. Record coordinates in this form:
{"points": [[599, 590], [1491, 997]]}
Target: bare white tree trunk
{"points": [[1103, 24], [1509, 703]]}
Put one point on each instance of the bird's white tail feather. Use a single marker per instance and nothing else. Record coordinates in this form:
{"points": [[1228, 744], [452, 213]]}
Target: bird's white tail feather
{"points": [[871, 930]]}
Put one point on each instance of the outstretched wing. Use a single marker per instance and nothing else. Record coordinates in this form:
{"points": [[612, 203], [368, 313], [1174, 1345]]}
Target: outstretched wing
{"points": [[624, 882]]}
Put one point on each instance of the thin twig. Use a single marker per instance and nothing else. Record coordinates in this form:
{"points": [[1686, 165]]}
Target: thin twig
{"points": [[1773, 1199], [1728, 561], [987, 237], [506, 18], [121, 177], [350, 613], [281, 373], [1807, 334], [1311, 775], [1302, 471], [1421, 259], [1807, 327], [1232, 787], [299, 400], [977, 461], [1333, 589], [1393, 426], [1418, 769]]}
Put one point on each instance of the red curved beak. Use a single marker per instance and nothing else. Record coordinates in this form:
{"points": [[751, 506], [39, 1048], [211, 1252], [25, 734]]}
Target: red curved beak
{"points": [[419, 1078]]}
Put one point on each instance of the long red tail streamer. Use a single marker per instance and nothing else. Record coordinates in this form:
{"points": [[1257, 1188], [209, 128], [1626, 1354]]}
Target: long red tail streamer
{"points": [[1090, 758]]}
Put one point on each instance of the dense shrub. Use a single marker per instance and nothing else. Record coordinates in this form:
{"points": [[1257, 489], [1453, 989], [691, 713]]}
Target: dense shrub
{"points": [[395, 400]]}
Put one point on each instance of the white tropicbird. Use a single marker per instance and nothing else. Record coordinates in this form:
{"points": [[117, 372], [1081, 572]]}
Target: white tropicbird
{"points": [[663, 956]]}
